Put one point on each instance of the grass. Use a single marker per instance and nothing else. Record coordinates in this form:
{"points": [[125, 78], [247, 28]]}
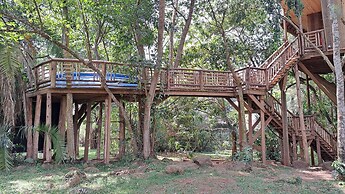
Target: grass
{"points": [[35, 179]]}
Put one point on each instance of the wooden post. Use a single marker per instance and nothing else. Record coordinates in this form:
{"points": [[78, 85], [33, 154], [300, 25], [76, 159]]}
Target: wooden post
{"points": [[318, 150], [52, 74], [294, 146], [122, 140], [250, 124], [241, 128], [36, 124], [69, 122], [301, 117], [49, 125], [107, 130], [62, 118], [76, 129], [285, 150], [312, 156], [308, 95], [87, 132], [29, 147], [99, 129], [263, 139]]}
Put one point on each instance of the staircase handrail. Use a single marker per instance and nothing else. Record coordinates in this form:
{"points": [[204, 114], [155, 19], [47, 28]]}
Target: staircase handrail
{"points": [[325, 135], [273, 55]]}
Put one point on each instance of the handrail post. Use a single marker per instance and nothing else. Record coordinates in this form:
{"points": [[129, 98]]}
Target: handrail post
{"points": [[104, 72], [266, 79], [168, 79], [247, 80], [52, 74], [201, 80]]}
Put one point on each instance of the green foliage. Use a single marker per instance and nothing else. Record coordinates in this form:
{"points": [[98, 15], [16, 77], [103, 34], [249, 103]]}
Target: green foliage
{"points": [[246, 155], [296, 6], [6, 158], [58, 144], [339, 167]]}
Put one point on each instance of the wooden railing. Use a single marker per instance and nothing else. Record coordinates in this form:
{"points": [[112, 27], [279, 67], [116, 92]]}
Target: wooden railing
{"points": [[325, 135], [316, 37], [280, 60], [274, 55]]}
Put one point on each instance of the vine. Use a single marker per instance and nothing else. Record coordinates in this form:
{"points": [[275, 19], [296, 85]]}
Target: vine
{"points": [[295, 5]]}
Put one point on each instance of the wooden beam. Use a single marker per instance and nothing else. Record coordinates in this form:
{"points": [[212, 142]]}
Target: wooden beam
{"points": [[241, 128], [250, 125], [312, 156], [286, 150], [36, 124], [232, 104], [76, 128], [48, 141], [29, 145], [318, 151], [318, 81], [107, 130], [263, 140], [301, 117], [122, 140], [99, 130], [62, 118], [69, 127], [294, 147], [87, 132]]}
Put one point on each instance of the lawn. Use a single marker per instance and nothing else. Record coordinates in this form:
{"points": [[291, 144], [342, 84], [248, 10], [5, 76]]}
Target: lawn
{"points": [[150, 177]]}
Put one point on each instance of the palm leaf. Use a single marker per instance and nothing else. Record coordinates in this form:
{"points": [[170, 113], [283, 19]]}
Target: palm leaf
{"points": [[58, 143], [9, 60], [6, 160]]}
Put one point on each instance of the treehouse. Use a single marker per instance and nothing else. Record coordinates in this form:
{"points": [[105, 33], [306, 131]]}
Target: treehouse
{"points": [[66, 91]]}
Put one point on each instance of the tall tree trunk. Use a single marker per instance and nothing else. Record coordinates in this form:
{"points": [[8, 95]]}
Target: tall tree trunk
{"points": [[340, 83], [171, 34], [184, 34], [154, 81]]}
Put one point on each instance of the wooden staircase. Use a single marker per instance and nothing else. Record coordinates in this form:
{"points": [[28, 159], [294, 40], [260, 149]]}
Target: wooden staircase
{"points": [[277, 66]]}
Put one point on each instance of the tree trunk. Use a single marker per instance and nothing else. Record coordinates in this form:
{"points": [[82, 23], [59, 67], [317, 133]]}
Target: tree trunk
{"points": [[339, 75], [171, 34], [184, 34], [154, 81]]}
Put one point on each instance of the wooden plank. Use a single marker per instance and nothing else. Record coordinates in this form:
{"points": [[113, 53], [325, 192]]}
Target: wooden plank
{"points": [[87, 132], [36, 124], [76, 128], [52, 74], [232, 104], [69, 127]]}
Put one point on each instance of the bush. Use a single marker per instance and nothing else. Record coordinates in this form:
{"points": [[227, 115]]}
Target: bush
{"points": [[339, 169]]}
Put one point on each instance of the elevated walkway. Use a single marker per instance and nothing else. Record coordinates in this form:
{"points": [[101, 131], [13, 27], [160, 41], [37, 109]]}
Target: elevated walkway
{"points": [[61, 76]]}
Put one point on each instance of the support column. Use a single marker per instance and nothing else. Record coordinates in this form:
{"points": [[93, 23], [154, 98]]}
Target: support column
{"points": [[48, 142], [318, 150], [29, 146], [285, 150], [70, 131], [122, 140], [87, 132], [107, 130], [301, 117], [240, 127], [36, 124], [250, 124], [294, 146], [99, 130], [312, 156], [62, 118], [263, 139], [76, 129]]}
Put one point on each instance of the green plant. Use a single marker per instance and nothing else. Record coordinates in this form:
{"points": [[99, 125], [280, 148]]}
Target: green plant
{"points": [[6, 158], [58, 144], [339, 168], [246, 155]]}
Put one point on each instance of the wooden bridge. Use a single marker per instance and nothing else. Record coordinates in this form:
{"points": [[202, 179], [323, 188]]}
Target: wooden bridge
{"points": [[58, 77]]}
